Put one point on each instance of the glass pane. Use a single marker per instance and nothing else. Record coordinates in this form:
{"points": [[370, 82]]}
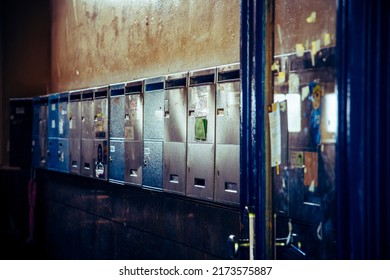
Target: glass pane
{"points": [[304, 87]]}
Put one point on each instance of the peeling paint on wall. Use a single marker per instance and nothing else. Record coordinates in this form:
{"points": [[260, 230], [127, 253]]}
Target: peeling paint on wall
{"points": [[102, 42]]}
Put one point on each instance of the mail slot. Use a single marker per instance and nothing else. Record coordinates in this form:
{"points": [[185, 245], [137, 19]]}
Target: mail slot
{"points": [[74, 126], [63, 132], [175, 133], [201, 134], [133, 116], [227, 150], [117, 134], [153, 133]]}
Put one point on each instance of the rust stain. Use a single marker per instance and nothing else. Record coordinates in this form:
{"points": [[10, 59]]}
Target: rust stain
{"points": [[114, 25]]}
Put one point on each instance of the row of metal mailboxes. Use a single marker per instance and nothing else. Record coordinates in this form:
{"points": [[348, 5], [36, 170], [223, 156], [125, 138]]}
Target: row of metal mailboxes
{"points": [[178, 133]]}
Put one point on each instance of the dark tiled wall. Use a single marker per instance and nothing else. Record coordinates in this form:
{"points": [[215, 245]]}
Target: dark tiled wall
{"points": [[89, 219]]}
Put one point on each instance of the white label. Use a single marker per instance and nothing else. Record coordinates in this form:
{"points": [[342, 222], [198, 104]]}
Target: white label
{"points": [[53, 124], [275, 133], [294, 112], [112, 149]]}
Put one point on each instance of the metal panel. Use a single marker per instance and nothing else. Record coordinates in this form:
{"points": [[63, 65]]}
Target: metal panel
{"points": [[175, 108], [117, 155], [74, 114], [86, 158], [36, 118], [227, 126], [152, 176], [20, 132], [117, 113], [101, 118], [134, 132], [52, 154], [35, 147], [53, 116], [43, 115], [100, 159], [227, 178], [63, 115], [74, 155], [36, 153], [201, 104], [133, 117], [133, 162], [228, 113], [87, 115], [154, 109], [63, 155], [175, 167], [201, 134], [200, 171]]}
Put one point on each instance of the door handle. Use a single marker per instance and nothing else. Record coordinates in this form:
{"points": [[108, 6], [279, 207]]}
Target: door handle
{"points": [[236, 244]]}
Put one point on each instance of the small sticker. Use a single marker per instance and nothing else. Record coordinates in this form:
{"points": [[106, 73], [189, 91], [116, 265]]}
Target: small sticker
{"points": [[281, 77], [296, 159], [99, 170], [305, 92], [146, 151], [112, 149], [53, 124], [315, 47], [326, 39], [53, 107], [312, 17], [201, 103], [299, 50]]}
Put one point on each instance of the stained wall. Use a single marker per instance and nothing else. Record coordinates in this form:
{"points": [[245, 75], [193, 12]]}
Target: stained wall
{"points": [[101, 42]]}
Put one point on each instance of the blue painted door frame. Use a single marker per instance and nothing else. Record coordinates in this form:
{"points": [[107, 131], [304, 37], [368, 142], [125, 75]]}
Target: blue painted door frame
{"points": [[363, 153]]}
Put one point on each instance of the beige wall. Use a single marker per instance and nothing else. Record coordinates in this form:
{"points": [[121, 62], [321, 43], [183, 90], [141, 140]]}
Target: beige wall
{"points": [[101, 42]]}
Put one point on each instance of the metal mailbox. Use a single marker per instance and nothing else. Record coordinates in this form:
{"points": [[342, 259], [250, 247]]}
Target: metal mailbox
{"points": [[100, 142], [35, 146], [201, 134], [52, 147], [43, 115], [74, 126], [63, 132], [117, 134], [227, 136], [175, 133], [20, 132], [153, 133], [133, 132], [87, 130]]}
